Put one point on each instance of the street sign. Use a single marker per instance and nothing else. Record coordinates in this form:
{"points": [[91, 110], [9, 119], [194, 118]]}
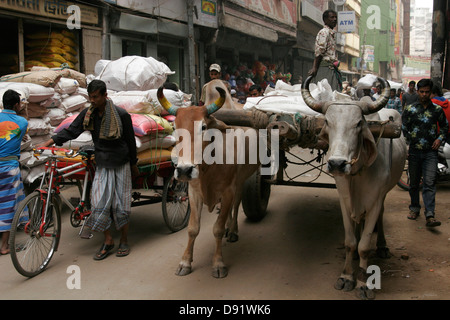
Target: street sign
{"points": [[346, 21], [339, 2]]}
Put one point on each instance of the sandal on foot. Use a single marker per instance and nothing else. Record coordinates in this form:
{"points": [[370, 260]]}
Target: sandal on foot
{"points": [[104, 251], [123, 250], [413, 215], [432, 222]]}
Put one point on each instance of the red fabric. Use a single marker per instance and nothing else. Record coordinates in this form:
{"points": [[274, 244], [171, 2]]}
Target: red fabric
{"points": [[445, 104]]}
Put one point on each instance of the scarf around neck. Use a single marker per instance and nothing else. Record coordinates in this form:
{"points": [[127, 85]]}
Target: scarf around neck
{"points": [[111, 127]]}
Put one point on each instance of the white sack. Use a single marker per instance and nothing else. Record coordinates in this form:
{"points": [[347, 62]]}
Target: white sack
{"points": [[73, 103], [132, 73]]}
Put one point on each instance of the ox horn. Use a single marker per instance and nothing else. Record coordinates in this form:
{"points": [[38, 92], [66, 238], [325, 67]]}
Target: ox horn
{"points": [[165, 103], [382, 100], [216, 105], [308, 98]]}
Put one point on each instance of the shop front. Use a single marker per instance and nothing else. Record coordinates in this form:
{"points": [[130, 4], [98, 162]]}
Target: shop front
{"points": [[253, 43], [44, 33]]}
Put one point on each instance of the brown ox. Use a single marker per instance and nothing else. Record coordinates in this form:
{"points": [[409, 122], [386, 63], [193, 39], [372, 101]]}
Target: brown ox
{"points": [[211, 183]]}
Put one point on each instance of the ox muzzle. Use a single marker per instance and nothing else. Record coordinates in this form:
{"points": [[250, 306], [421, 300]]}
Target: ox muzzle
{"points": [[339, 166], [186, 172]]}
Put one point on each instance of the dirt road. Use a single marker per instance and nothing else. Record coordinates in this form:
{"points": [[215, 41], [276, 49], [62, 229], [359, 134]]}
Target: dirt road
{"points": [[295, 253]]}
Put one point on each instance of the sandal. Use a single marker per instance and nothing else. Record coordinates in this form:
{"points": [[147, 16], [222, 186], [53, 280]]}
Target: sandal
{"points": [[432, 222], [123, 250], [104, 251], [413, 215]]}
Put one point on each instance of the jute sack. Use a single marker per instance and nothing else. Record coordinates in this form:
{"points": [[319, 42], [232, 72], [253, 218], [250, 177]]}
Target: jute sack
{"points": [[47, 78]]}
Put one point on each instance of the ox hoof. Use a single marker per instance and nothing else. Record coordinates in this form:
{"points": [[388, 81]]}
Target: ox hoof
{"points": [[364, 293], [232, 237], [344, 284], [183, 271], [383, 253], [220, 272]]}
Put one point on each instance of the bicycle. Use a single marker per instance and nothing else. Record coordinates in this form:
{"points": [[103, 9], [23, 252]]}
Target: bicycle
{"points": [[36, 226]]}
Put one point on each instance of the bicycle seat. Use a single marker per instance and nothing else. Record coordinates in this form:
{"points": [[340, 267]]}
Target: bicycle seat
{"points": [[87, 150]]}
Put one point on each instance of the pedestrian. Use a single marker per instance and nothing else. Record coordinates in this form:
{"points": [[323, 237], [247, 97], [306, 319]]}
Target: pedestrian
{"points": [[115, 157], [394, 101], [215, 72], [400, 93], [420, 122], [255, 90], [12, 130], [366, 96], [410, 96], [377, 93], [437, 98], [326, 64]]}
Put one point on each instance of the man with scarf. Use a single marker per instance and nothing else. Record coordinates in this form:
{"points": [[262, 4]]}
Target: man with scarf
{"points": [[115, 156], [12, 130]]}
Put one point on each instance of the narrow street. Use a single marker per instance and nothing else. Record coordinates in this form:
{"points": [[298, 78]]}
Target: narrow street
{"points": [[295, 253]]}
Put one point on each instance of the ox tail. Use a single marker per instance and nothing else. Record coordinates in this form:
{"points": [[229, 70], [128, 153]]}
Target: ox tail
{"points": [[166, 103]]}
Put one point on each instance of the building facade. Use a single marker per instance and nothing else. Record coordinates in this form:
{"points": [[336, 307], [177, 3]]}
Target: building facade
{"points": [[49, 33]]}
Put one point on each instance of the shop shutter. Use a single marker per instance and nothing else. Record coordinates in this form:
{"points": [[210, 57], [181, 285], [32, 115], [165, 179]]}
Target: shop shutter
{"points": [[92, 49]]}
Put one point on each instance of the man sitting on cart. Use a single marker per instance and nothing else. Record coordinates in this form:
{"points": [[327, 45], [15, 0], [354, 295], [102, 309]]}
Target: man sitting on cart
{"points": [[115, 156]]}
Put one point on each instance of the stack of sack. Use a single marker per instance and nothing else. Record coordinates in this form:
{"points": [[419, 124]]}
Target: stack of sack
{"points": [[52, 98], [286, 98], [48, 96], [51, 49]]}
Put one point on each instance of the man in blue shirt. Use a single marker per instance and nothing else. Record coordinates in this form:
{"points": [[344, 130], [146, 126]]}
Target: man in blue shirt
{"points": [[425, 128], [12, 130], [394, 102]]}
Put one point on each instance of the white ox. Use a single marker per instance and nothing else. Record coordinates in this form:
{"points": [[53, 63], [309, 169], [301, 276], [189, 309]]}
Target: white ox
{"points": [[364, 171], [209, 184]]}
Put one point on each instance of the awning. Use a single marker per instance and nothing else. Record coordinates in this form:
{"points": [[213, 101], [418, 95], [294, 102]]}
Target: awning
{"points": [[129, 22], [249, 28]]}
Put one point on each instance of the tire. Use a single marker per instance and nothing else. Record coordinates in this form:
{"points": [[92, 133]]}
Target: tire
{"points": [[175, 204], [32, 246], [255, 197]]}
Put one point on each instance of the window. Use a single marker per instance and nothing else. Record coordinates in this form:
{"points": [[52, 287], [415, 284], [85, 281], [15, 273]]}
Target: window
{"points": [[133, 48]]}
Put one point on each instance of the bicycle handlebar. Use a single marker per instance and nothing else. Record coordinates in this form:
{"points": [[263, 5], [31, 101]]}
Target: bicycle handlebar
{"points": [[69, 153]]}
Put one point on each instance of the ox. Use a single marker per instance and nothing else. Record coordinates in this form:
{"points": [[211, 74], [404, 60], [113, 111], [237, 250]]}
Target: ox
{"points": [[209, 184], [364, 171]]}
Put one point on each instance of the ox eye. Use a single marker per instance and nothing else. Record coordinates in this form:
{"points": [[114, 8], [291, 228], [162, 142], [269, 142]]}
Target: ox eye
{"points": [[203, 127], [359, 124]]}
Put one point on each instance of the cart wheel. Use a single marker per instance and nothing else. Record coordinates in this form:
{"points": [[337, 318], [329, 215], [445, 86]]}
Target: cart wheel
{"points": [[255, 197], [175, 203]]}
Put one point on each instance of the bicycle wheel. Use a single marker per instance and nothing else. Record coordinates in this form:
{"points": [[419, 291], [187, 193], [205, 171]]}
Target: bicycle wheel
{"points": [[175, 204], [33, 243]]}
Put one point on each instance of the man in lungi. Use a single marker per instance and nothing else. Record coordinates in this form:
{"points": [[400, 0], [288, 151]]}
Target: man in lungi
{"points": [[12, 130], [115, 157], [326, 64]]}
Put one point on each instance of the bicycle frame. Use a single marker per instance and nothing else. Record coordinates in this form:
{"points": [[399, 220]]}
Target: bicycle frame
{"points": [[54, 176]]}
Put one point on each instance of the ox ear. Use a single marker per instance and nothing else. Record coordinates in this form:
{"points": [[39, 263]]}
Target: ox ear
{"points": [[213, 123], [370, 150]]}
